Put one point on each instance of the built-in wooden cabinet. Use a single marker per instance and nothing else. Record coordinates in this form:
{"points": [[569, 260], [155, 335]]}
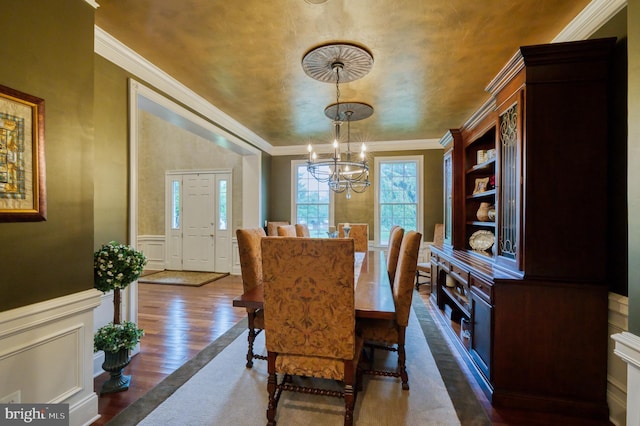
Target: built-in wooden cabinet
{"points": [[530, 310]]}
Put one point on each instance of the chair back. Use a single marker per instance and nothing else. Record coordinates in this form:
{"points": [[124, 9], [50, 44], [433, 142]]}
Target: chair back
{"points": [[287, 231], [302, 230], [272, 228], [309, 296], [250, 252], [393, 251], [360, 234], [405, 275], [438, 234]]}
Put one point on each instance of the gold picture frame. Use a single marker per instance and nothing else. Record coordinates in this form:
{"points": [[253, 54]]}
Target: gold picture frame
{"points": [[481, 185], [22, 160]]}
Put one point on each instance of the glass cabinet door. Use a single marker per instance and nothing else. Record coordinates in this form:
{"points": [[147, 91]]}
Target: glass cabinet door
{"points": [[448, 197]]}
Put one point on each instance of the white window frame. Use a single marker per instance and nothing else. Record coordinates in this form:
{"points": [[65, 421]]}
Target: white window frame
{"points": [[419, 159], [294, 194]]}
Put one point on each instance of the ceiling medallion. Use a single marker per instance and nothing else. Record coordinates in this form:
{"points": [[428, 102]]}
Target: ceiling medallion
{"points": [[319, 63], [355, 111]]}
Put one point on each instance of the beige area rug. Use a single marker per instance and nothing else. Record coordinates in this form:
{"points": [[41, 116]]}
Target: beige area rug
{"points": [[224, 392], [188, 278]]}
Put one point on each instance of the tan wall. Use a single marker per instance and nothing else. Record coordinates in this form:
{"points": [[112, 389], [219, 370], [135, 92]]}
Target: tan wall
{"points": [[162, 147], [359, 209], [44, 56]]}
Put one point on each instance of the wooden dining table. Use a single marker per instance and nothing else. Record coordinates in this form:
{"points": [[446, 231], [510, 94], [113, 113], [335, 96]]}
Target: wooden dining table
{"points": [[373, 295]]}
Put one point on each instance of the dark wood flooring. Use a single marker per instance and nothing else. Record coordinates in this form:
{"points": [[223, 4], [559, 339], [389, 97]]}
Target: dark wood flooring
{"points": [[180, 321]]}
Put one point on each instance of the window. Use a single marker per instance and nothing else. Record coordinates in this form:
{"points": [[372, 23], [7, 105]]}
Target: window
{"points": [[222, 205], [175, 204], [312, 201], [398, 186]]}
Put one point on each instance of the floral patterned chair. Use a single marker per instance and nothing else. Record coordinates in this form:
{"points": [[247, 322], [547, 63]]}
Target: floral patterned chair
{"points": [[310, 318], [360, 234], [272, 228], [286, 231], [390, 334], [393, 251], [250, 252], [302, 230]]}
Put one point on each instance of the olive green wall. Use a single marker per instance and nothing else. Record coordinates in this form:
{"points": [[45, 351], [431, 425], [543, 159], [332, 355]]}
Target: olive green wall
{"points": [[44, 56], [634, 164], [111, 173], [359, 209]]}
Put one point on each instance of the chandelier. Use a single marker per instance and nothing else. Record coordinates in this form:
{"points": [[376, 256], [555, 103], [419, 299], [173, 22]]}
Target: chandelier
{"points": [[342, 171]]}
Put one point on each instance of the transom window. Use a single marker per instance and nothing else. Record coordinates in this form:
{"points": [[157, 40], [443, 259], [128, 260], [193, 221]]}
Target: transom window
{"points": [[312, 201], [398, 186]]}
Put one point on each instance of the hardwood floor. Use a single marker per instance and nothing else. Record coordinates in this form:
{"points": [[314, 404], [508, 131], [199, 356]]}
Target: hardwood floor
{"points": [[180, 321]]}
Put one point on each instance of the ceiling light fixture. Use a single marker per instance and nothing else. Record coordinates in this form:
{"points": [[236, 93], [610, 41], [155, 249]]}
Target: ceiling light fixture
{"points": [[340, 63]]}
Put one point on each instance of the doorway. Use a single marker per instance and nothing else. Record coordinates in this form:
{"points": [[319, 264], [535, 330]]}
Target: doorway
{"points": [[198, 218]]}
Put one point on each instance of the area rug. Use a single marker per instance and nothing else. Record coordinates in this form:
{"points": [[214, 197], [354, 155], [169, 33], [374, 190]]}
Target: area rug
{"points": [[188, 278], [214, 388]]}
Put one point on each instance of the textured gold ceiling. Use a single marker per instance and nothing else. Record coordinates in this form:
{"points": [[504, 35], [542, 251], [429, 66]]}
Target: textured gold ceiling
{"points": [[432, 58]]}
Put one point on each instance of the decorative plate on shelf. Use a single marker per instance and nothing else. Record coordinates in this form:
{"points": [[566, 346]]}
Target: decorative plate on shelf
{"points": [[482, 240]]}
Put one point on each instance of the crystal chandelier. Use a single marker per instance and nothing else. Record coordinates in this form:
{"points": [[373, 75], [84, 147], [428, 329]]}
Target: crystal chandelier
{"points": [[342, 171]]}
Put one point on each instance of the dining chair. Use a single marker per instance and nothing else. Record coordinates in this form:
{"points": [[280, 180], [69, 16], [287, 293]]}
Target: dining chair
{"points": [[393, 251], [287, 231], [250, 251], [360, 234], [390, 334], [310, 319], [302, 230], [272, 228], [423, 269]]}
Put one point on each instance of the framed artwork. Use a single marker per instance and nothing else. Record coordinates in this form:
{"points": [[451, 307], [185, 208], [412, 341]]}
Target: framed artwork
{"points": [[481, 185], [22, 162]]}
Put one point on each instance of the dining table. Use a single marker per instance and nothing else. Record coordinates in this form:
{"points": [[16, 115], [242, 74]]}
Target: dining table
{"points": [[373, 294]]}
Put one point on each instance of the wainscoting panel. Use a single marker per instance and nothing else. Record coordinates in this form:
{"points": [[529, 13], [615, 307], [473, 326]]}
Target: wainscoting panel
{"points": [[46, 354], [616, 367], [153, 247]]}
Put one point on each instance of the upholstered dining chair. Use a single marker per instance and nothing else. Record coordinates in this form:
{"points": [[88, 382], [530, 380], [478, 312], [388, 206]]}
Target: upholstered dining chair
{"points": [[393, 251], [250, 251], [272, 228], [287, 231], [360, 234], [390, 334], [302, 230], [423, 269], [310, 318]]}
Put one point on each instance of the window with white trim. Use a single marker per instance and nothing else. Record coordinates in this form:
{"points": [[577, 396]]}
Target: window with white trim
{"points": [[398, 198], [311, 201]]}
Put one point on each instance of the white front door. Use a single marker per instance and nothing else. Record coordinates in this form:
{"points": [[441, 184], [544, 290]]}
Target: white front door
{"points": [[198, 221]]}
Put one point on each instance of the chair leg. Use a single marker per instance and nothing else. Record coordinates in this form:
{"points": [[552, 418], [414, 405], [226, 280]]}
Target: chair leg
{"points": [[402, 366], [271, 389], [350, 386], [251, 338]]}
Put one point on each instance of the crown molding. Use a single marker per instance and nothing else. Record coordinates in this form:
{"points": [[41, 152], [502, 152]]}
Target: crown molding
{"points": [[382, 146], [113, 50], [93, 3], [592, 17]]}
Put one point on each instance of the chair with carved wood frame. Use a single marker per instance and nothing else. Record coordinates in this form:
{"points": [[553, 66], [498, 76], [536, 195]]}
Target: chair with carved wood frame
{"points": [[310, 318], [360, 234], [250, 251], [390, 334]]}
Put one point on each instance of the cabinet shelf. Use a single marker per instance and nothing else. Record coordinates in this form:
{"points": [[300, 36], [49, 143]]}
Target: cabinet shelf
{"points": [[478, 223], [460, 301], [485, 194], [485, 167]]}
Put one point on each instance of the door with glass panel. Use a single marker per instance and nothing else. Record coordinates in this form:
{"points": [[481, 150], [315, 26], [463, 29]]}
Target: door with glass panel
{"points": [[198, 221]]}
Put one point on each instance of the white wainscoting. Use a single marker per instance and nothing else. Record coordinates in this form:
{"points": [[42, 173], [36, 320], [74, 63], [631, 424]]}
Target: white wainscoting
{"points": [[235, 257], [46, 351], [616, 367], [153, 247]]}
